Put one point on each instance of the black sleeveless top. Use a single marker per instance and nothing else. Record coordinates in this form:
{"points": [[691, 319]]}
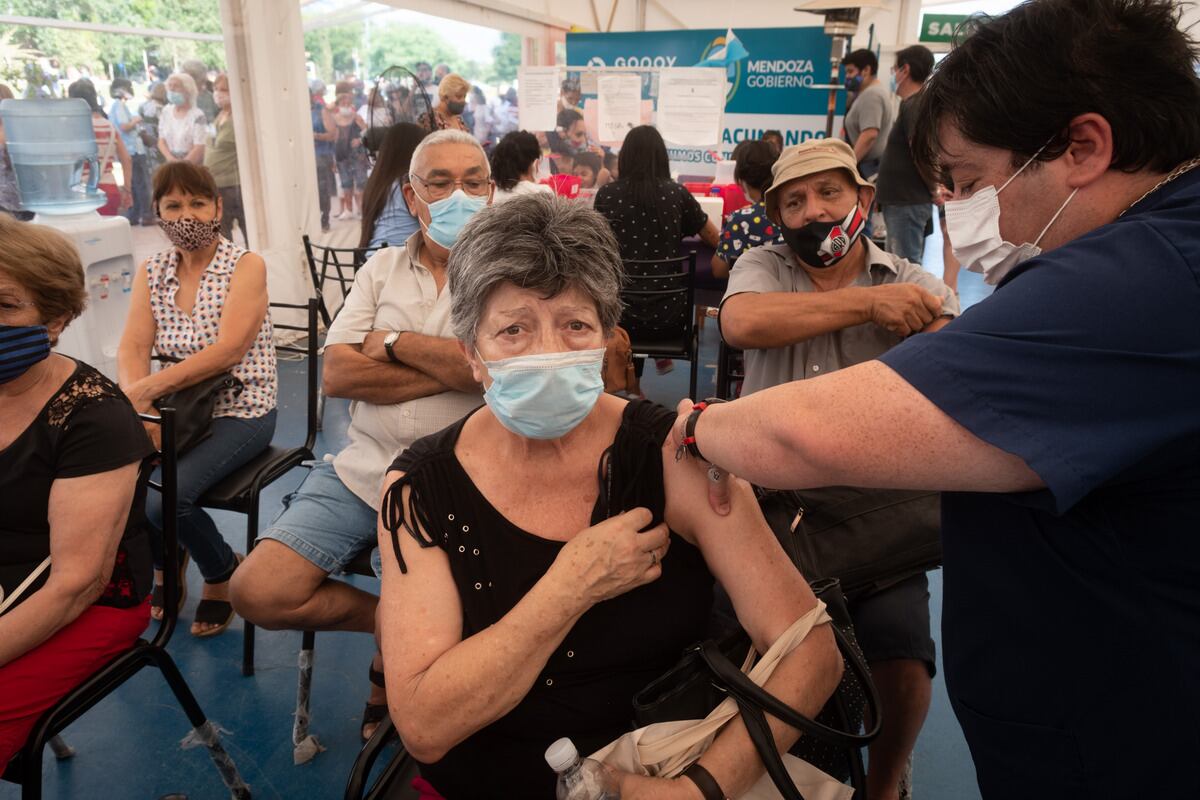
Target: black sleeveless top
{"points": [[614, 650]]}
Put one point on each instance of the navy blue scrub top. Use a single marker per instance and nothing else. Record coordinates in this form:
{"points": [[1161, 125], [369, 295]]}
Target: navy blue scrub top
{"points": [[1071, 624]]}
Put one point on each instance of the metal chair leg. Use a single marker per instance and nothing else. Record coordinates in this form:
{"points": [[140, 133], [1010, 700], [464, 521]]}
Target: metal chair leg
{"points": [[31, 780], [62, 750], [247, 625], [305, 747], [204, 732]]}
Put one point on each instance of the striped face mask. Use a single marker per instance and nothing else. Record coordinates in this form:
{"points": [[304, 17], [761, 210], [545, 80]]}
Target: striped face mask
{"points": [[21, 346]]}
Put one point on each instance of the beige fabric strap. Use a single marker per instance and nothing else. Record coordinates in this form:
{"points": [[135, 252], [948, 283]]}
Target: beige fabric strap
{"points": [[666, 749]]}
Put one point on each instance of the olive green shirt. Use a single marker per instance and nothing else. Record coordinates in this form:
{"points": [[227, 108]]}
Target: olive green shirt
{"points": [[220, 156]]}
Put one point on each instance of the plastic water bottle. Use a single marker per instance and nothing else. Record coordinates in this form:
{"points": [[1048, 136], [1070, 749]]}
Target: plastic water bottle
{"points": [[580, 778]]}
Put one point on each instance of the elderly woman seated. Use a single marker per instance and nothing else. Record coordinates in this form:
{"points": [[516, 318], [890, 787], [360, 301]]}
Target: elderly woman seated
{"points": [[546, 557], [74, 554]]}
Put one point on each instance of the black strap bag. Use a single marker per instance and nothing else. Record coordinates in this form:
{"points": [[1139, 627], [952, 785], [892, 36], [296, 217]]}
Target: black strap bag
{"points": [[869, 539], [709, 671], [194, 406]]}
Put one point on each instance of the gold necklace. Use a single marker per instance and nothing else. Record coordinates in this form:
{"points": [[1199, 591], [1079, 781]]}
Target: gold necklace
{"points": [[1182, 169]]}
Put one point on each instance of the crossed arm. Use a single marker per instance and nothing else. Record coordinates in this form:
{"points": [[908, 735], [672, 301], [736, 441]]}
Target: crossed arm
{"points": [[428, 365]]}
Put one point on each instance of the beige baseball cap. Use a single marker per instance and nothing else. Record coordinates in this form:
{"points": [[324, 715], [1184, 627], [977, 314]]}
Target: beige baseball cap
{"points": [[816, 155]]}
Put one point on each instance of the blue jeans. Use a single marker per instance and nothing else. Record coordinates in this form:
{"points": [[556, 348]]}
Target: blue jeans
{"points": [[906, 226], [234, 441]]}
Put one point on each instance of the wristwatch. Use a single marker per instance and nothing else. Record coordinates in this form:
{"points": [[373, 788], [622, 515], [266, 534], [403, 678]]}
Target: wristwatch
{"points": [[388, 342]]}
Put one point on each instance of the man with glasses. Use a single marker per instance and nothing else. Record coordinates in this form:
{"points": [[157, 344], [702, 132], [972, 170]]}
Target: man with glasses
{"points": [[391, 351]]}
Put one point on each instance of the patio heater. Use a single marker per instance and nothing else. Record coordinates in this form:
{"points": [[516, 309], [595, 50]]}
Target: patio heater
{"points": [[841, 23]]}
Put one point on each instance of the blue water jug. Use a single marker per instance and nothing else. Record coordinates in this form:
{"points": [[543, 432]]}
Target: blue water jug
{"points": [[49, 142]]}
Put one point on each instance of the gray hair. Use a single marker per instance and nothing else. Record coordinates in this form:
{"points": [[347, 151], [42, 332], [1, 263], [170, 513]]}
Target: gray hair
{"points": [[540, 242], [448, 136], [185, 82]]}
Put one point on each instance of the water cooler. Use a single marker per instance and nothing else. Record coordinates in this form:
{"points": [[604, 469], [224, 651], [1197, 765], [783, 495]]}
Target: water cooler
{"points": [[50, 142]]}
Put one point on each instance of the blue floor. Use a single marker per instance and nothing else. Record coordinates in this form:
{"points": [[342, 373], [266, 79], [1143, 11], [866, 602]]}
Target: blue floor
{"points": [[128, 746]]}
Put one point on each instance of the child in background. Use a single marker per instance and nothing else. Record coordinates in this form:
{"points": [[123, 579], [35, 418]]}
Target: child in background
{"points": [[587, 168]]}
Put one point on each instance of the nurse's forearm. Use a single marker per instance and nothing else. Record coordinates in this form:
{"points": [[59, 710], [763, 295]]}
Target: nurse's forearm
{"points": [[860, 426]]}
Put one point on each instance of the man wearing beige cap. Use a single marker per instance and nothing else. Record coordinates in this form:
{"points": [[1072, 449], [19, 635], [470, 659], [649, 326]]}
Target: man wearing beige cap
{"points": [[829, 298]]}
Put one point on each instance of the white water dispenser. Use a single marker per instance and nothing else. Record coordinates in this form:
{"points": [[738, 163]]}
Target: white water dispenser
{"points": [[50, 143]]}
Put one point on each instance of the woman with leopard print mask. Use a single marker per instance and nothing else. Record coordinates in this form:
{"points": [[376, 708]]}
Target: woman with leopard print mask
{"points": [[202, 304]]}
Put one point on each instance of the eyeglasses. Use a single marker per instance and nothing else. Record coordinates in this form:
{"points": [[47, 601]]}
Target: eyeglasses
{"points": [[441, 188]]}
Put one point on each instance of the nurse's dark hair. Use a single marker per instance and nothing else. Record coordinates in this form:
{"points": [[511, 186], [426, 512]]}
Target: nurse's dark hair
{"points": [[1016, 81], [541, 242]]}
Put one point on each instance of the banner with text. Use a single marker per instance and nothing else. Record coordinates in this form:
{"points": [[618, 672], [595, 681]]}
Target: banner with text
{"points": [[769, 75]]}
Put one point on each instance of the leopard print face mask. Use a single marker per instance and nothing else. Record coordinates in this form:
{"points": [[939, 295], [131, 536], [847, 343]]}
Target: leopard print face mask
{"points": [[190, 234]]}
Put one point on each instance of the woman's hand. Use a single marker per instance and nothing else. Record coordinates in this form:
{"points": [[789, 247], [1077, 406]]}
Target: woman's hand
{"points": [[141, 394], [611, 558]]}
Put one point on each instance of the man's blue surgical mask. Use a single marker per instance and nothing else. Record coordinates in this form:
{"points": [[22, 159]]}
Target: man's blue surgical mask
{"points": [[545, 396], [448, 216]]}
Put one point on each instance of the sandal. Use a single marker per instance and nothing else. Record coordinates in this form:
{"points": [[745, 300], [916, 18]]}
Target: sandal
{"points": [[373, 713], [214, 612], [156, 596]]}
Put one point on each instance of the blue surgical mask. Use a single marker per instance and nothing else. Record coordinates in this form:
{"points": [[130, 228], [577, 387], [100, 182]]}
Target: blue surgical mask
{"points": [[892, 83], [545, 396], [448, 216], [853, 84], [176, 98], [21, 346]]}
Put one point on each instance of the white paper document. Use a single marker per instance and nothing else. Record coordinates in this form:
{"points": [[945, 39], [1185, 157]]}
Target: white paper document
{"points": [[620, 106], [537, 95], [691, 101]]}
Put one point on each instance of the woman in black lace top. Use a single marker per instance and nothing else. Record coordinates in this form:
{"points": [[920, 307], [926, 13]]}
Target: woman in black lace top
{"points": [[74, 560], [545, 557]]}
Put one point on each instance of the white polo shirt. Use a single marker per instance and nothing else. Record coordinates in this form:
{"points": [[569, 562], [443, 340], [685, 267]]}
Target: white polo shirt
{"points": [[392, 291]]}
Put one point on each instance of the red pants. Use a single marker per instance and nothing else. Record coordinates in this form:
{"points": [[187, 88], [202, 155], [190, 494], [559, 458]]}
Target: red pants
{"points": [[37, 680]]}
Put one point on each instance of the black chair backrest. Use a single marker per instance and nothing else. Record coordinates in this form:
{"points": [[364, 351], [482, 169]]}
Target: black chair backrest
{"points": [[337, 264], [168, 485], [309, 351], [730, 369], [664, 288]]}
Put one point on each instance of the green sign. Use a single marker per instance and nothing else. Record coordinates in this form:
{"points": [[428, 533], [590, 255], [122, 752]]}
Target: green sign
{"points": [[940, 27]]}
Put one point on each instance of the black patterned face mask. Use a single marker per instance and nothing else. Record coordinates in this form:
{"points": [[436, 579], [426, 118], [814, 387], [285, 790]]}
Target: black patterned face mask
{"points": [[188, 233]]}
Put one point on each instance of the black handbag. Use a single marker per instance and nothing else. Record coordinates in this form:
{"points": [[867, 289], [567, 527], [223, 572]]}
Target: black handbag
{"points": [[869, 539], [194, 406], [709, 671]]}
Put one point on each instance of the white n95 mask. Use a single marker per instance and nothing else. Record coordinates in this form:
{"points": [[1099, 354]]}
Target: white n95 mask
{"points": [[974, 229]]}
